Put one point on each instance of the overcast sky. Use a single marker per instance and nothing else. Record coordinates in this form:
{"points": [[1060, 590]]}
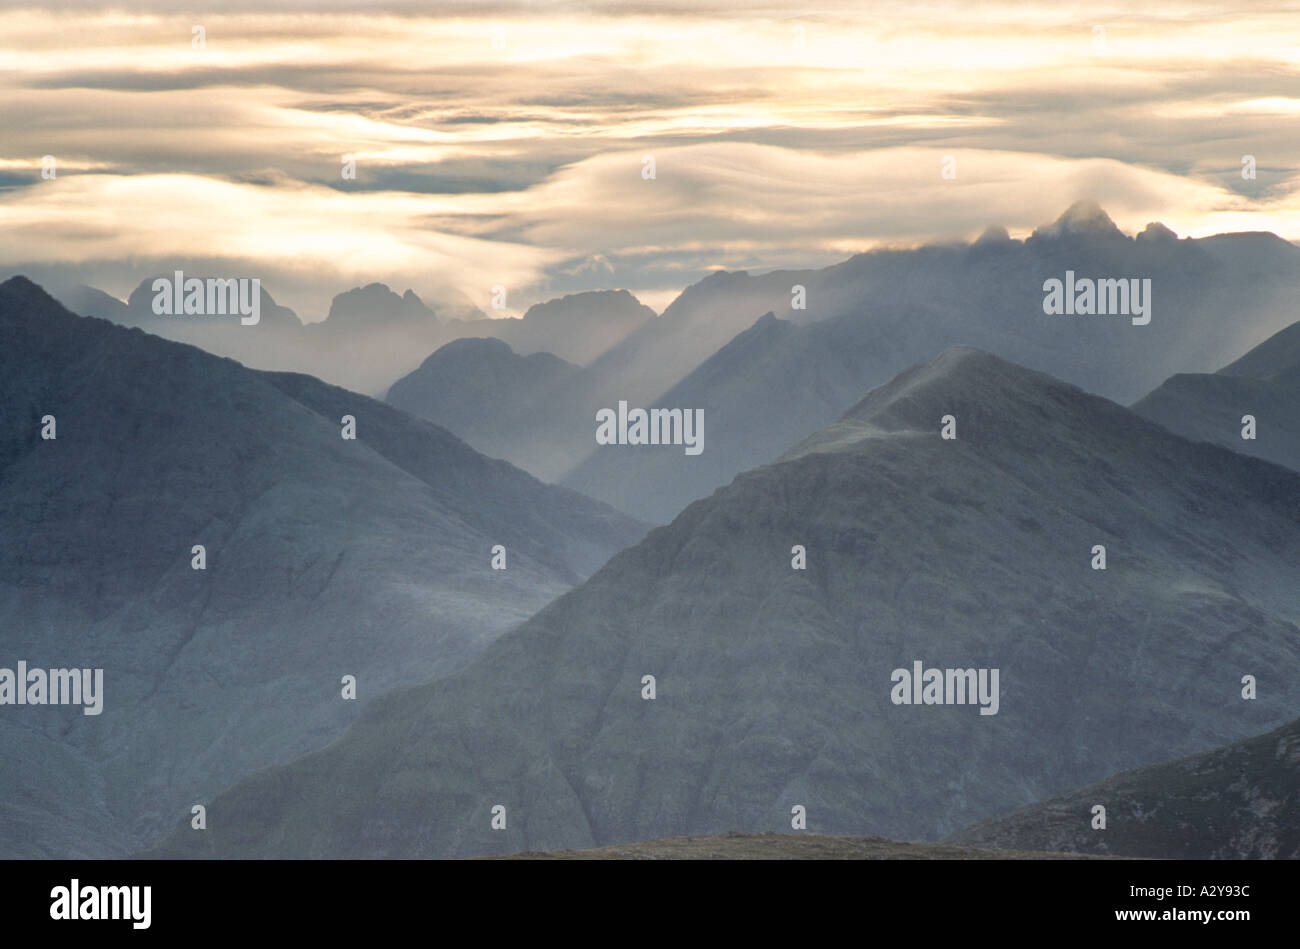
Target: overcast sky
{"points": [[506, 144]]}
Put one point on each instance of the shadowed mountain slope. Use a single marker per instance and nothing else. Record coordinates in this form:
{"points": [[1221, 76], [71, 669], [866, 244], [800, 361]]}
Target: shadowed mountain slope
{"points": [[773, 685], [777, 380], [1239, 802], [325, 557], [535, 410], [1264, 384]]}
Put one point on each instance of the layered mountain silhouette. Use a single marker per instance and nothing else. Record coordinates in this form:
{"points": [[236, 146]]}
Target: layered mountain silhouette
{"points": [[868, 318], [765, 382], [372, 335], [1263, 384], [518, 400], [325, 557], [578, 328], [990, 294], [367, 339], [1238, 802], [536, 410], [276, 342], [773, 687], [369, 334]]}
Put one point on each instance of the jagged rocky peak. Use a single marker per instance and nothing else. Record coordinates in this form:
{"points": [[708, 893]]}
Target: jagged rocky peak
{"points": [[376, 302], [1157, 232], [141, 299], [609, 305], [1081, 219]]}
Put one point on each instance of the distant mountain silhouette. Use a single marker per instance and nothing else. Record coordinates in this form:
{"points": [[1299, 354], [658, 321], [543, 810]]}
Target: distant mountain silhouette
{"points": [[763, 387], [783, 377], [577, 328], [535, 410], [372, 336], [140, 309], [365, 307], [1264, 384]]}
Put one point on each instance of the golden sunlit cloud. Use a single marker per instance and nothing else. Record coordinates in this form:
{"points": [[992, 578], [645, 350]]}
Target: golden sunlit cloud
{"points": [[506, 147]]}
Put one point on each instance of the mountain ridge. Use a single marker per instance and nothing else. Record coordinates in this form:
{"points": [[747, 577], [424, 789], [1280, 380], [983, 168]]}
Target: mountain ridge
{"points": [[773, 683], [323, 557], [1237, 802]]}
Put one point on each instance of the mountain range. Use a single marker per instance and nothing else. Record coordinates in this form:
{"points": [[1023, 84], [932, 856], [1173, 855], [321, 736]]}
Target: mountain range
{"points": [[1121, 569], [372, 335], [770, 358], [776, 688], [324, 557], [766, 375]]}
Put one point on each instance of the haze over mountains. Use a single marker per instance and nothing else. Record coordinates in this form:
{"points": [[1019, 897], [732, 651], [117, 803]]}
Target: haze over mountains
{"points": [[577, 328], [536, 410], [325, 557], [1264, 384], [510, 396], [777, 381], [1213, 299], [766, 381], [372, 335], [329, 557], [773, 685], [1238, 802]]}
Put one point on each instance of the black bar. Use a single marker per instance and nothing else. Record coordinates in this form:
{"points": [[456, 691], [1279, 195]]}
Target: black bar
{"points": [[653, 899]]}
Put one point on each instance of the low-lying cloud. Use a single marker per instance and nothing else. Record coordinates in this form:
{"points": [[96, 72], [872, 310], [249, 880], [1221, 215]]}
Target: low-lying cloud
{"points": [[509, 147]]}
